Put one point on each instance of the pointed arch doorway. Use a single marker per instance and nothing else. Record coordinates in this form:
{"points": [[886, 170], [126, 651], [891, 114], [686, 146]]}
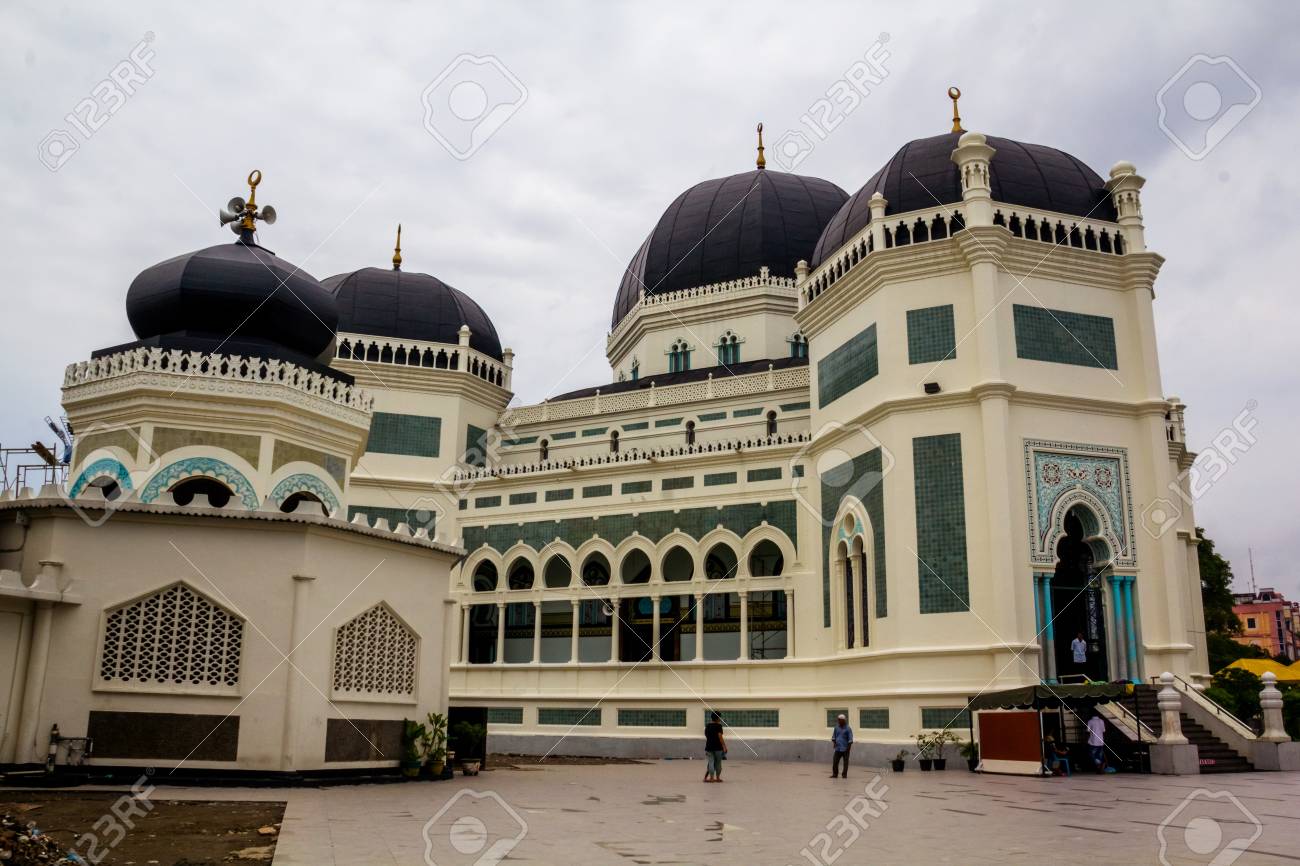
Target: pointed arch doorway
{"points": [[1073, 602]]}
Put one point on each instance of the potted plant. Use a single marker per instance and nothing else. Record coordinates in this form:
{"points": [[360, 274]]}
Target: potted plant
{"points": [[939, 741], [470, 738], [899, 761], [412, 733], [924, 751], [971, 752], [433, 745]]}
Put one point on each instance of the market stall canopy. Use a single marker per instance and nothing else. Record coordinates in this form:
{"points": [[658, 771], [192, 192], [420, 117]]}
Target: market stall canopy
{"points": [[1043, 697]]}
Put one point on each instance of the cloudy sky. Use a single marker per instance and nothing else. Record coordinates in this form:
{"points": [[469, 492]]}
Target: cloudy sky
{"points": [[625, 107]]}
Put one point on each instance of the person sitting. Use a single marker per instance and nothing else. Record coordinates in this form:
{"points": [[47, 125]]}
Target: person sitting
{"points": [[1056, 757]]}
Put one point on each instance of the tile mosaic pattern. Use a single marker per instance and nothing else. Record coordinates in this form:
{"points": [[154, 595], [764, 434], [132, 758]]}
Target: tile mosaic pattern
{"points": [[487, 501], [302, 482], [568, 434], [668, 422], [713, 416], [747, 413], [568, 716], [636, 487], [684, 482], [637, 425], [859, 477], [795, 407], [953, 718], [1062, 337], [751, 718], [638, 718], [595, 431], [767, 473], [594, 491], [1059, 474], [205, 466], [847, 367], [475, 446], [931, 335], [505, 715], [718, 479], [654, 525], [942, 569], [411, 435], [288, 452], [873, 718], [559, 495], [526, 498]]}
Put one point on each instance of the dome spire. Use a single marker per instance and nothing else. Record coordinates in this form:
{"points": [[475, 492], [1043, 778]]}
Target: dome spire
{"points": [[761, 162], [954, 93], [397, 250]]}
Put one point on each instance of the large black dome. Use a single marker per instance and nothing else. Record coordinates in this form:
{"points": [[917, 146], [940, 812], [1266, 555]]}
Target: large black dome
{"points": [[728, 228], [236, 298], [922, 174], [409, 306]]}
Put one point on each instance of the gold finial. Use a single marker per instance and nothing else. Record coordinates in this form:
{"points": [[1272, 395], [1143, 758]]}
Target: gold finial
{"points": [[397, 250], [250, 209], [954, 94], [761, 162]]}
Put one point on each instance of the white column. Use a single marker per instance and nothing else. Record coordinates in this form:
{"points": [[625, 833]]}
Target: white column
{"points": [[613, 630], [699, 627], [1125, 187], [877, 203], [293, 701], [744, 626], [1170, 704], [537, 632], [501, 633], [789, 623], [34, 686], [654, 633], [573, 638], [851, 565], [464, 633]]}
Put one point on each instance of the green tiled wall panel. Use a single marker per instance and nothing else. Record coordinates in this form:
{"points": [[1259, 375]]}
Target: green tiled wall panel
{"points": [[1063, 337], [873, 718], [847, 367], [684, 482], [527, 498], [954, 718], [746, 413], [568, 434], [768, 473], [636, 487], [568, 716], [595, 431], [487, 502], [596, 490], [751, 718], [505, 715], [475, 446], [522, 440], [713, 416], [411, 435], [717, 479], [832, 716], [559, 495], [637, 425], [794, 407], [931, 335], [668, 422], [860, 477], [941, 565], [637, 718]]}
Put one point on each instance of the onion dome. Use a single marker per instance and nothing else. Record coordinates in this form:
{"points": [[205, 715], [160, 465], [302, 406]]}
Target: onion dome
{"points": [[727, 229], [409, 306], [238, 299], [922, 175]]}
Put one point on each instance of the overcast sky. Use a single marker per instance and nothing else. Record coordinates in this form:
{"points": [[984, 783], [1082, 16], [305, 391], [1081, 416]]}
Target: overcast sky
{"points": [[625, 107]]}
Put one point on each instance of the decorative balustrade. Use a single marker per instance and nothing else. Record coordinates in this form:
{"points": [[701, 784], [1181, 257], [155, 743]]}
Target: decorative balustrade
{"points": [[632, 455], [941, 223], [181, 363], [671, 395], [763, 281], [416, 353]]}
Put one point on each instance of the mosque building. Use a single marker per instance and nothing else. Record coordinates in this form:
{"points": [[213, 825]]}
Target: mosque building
{"points": [[870, 454]]}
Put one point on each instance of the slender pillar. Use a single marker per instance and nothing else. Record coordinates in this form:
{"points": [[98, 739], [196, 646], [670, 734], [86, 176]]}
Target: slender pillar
{"points": [[744, 627], [501, 633], [789, 623], [537, 632], [613, 630], [34, 687], [1038, 628], [293, 701], [699, 627], [1134, 669], [854, 580], [1121, 626], [654, 631], [573, 638], [464, 633], [1049, 628]]}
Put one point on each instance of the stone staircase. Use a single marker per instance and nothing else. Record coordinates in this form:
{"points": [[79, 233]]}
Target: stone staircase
{"points": [[1215, 755]]}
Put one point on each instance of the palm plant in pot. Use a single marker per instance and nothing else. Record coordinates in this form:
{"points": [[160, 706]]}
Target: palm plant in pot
{"points": [[433, 745], [899, 761], [925, 750]]}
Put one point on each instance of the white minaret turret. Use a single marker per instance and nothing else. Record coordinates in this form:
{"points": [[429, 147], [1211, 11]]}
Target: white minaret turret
{"points": [[878, 203], [972, 156], [1125, 187]]}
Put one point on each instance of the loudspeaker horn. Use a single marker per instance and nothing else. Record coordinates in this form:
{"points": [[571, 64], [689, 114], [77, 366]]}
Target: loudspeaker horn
{"points": [[268, 215]]}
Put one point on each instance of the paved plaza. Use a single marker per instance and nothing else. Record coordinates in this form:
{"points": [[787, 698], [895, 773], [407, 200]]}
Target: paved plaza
{"points": [[778, 813]]}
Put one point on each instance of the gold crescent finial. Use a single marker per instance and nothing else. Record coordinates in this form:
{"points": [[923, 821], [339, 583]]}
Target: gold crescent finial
{"points": [[254, 178], [954, 93], [397, 250], [761, 162]]}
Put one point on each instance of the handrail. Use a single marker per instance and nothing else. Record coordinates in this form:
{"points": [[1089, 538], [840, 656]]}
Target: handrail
{"points": [[1130, 718], [1199, 697]]}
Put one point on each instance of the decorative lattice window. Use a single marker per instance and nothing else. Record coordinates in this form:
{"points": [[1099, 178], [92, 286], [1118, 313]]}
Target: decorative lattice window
{"points": [[174, 637], [374, 655]]}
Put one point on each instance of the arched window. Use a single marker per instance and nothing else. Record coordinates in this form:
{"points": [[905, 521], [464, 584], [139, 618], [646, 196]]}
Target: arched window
{"points": [[766, 559], [635, 567], [679, 357], [690, 432], [720, 563], [173, 637], [521, 575], [636, 369], [375, 654], [485, 577], [558, 571], [771, 424], [296, 500], [728, 349], [798, 346], [218, 494], [595, 571], [545, 451], [678, 565], [613, 442]]}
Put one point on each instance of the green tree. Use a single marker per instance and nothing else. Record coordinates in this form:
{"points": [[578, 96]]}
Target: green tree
{"points": [[1216, 588], [1223, 650]]}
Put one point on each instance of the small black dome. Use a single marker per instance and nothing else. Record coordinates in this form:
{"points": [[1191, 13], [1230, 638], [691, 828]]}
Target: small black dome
{"points": [[728, 228], [410, 306], [922, 175], [239, 297]]}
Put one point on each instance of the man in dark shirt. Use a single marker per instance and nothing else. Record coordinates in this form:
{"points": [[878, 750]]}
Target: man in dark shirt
{"points": [[715, 746]]}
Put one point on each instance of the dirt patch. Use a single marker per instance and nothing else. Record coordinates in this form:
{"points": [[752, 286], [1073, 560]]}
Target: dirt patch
{"points": [[169, 832], [512, 762]]}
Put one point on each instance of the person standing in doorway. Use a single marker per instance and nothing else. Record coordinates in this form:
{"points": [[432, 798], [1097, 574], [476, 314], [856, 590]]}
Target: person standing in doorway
{"points": [[842, 740], [715, 747], [1079, 652]]}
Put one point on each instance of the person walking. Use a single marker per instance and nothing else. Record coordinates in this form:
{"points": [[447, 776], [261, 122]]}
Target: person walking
{"points": [[715, 747], [1097, 741], [842, 740]]}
